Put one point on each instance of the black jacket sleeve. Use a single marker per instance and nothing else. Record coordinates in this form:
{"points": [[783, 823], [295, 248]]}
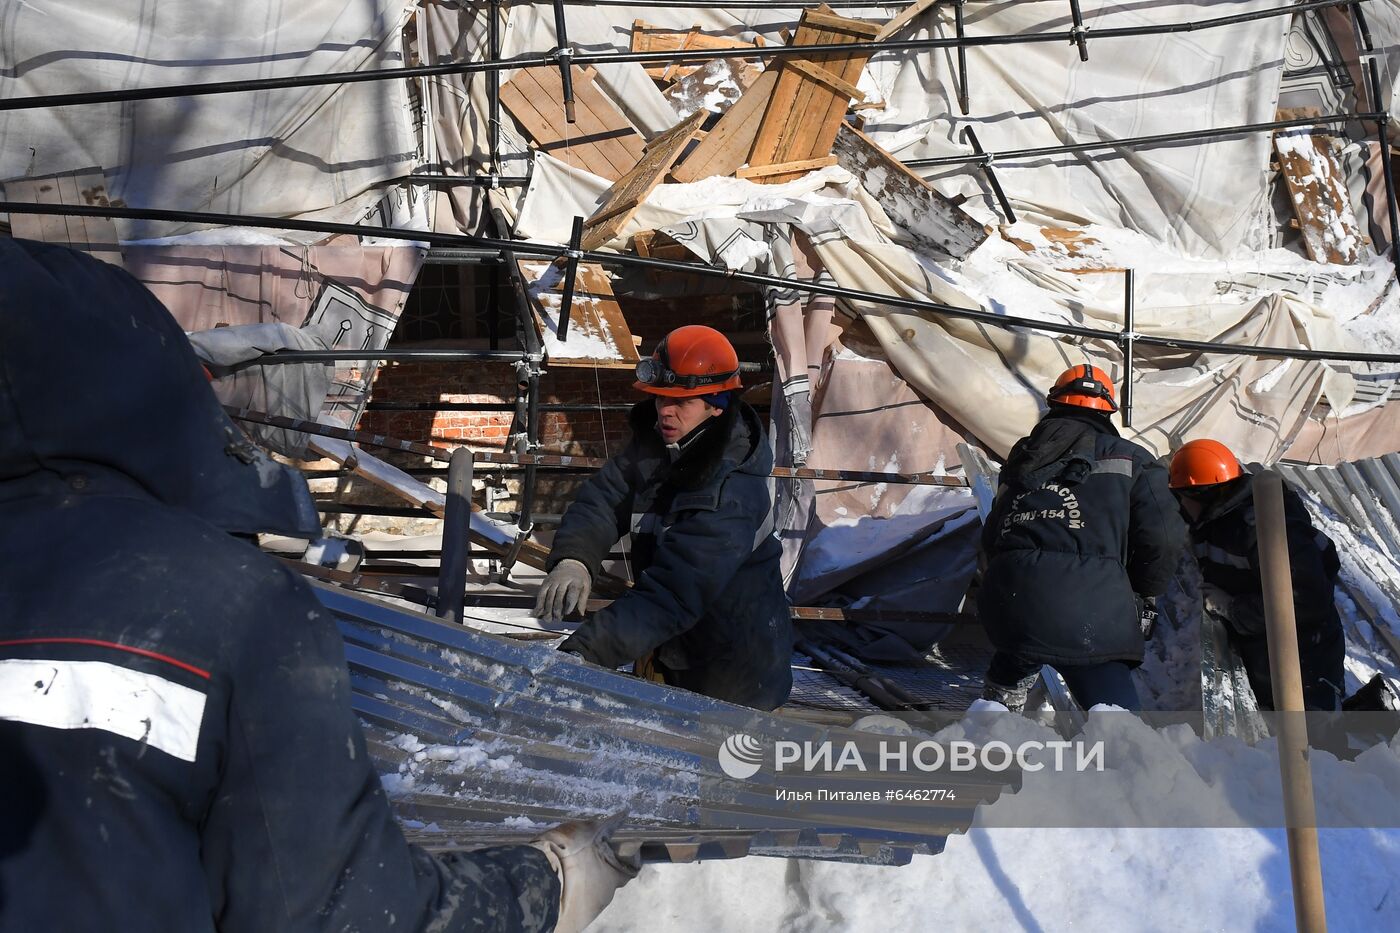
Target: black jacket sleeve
{"points": [[1314, 577], [1156, 531], [694, 564], [600, 514], [299, 835]]}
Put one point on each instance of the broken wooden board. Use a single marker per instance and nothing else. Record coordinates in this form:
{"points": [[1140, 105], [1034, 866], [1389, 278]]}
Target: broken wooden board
{"points": [[654, 244], [628, 192], [932, 221], [907, 16], [1318, 192], [812, 94], [726, 147], [649, 38], [96, 236], [761, 173], [601, 141], [598, 333]]}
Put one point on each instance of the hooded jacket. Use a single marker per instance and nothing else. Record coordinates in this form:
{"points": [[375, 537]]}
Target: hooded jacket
{"points": [[708, 593], [177, 747], [1082, 524]]}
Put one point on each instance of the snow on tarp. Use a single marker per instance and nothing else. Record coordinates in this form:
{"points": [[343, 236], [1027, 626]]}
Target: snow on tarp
{"points": [[275, 152], [1200, 200], [1001, 875]]}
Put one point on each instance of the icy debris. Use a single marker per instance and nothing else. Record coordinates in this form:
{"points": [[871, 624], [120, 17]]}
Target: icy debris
{"points": [[715, 87]]}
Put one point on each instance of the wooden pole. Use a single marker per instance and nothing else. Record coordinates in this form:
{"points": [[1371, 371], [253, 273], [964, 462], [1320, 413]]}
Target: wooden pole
{"points": [[1299, 811]]}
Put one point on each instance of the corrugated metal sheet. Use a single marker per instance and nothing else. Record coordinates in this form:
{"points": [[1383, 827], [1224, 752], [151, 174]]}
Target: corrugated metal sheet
{"points": [[549, 738], [1366, 495]]}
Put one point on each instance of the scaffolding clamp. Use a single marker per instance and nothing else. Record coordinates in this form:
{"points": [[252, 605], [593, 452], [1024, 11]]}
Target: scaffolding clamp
{"points": [[987, 158], [1078, 32]]}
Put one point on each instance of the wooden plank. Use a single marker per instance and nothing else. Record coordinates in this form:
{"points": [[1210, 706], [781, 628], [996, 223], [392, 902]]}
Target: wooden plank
{"points": [[786, 168], [909, 14], [595, 116], [598, 333], [822, 76], [818, 19], [544, 121], [804, 114], [633, 188], [932, 221], [601, 142], [649, 38], [1317, 190], [96, 236], [654, 244], [727, 145]]}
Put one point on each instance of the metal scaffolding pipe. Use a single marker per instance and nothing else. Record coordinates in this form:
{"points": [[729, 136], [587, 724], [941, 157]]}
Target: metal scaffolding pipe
{"points": [[423, 355], [1135, 142], [452, 568], [959, 30], [1129, 336], [549, 250], [1078, 32], [472, 181], [987, 173]]}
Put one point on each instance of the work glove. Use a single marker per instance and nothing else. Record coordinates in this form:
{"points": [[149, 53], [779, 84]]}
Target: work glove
{"points": [[589, 869], [564, 591], [1147, 616]]}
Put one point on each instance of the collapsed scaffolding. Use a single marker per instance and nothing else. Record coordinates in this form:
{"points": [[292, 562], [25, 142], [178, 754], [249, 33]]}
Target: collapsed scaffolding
{"points": [[568, 262]]}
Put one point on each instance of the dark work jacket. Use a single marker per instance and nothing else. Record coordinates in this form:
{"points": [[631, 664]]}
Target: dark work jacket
{"points": [[177, 747], [708, 593], [1082, 521], [1226, 545]]}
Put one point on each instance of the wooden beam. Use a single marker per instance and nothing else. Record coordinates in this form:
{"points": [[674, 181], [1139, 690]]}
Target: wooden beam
{"points": [[628, 192], [727, 146], [933, 222], [786, 168], [907, 16], [830, 79]]}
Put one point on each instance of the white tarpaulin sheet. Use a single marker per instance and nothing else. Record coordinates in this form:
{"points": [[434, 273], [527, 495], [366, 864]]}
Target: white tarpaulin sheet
{"points": [[280, 153], [1201, 200]]}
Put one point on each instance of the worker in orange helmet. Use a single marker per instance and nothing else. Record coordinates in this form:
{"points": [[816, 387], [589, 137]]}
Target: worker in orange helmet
{"points": [[1217, 498], [1082, 537], [707, 610]]}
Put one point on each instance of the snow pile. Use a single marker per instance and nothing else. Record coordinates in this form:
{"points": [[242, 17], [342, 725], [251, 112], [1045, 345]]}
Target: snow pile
{"points": [[1077, 879]]}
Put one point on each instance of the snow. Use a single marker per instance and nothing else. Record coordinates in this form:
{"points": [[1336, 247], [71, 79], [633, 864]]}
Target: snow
{"points": [[1003, 876], [715, 87], [588, 337]]}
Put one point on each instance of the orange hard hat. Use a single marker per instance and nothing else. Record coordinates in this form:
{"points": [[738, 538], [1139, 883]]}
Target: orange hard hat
{"points": [[1086, 386], [1203, 462], [690, 361]]}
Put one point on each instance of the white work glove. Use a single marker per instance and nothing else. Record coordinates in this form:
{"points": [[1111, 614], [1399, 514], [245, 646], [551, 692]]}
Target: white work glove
{"points": [[589, 869], [564, 591]]}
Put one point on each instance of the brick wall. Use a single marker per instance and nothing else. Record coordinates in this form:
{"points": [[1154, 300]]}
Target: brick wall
{"points": [[584, 433]]}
